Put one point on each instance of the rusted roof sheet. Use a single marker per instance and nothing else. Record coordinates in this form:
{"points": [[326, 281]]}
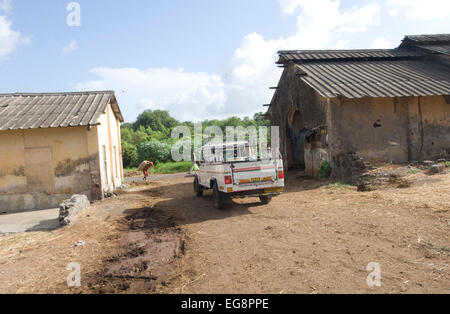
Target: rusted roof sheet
{"points": [[22, 111], [394, 78], [317, 55]]}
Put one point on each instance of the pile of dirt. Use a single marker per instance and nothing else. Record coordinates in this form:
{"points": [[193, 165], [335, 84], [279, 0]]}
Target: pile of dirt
{"points": [[151, 244], [384, 177], [398, 176], [132, 174]]}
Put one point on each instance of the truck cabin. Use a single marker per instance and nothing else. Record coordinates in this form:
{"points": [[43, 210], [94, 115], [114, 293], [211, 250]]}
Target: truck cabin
{"points": [[230, 152]]}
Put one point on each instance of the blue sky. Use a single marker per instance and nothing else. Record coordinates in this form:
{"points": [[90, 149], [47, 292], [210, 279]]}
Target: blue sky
{"points": [[196, 58]]}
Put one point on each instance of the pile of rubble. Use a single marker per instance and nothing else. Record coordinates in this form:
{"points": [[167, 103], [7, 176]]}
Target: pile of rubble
{"points": [[398, 177], [69, 209], [436, 167], [348, 168]]}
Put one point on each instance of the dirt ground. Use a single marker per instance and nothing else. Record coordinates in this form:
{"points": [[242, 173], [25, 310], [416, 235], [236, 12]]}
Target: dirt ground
{"points": [[316, 238]]}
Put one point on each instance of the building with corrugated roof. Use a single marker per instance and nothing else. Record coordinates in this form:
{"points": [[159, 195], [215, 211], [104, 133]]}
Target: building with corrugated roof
{"points": [[380, 105], [55, 145]]}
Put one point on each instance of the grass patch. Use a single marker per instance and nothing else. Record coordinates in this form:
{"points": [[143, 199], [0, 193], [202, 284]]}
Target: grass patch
{"points": [[162, 168], [413, 171], [447, 164], [171, 167]]}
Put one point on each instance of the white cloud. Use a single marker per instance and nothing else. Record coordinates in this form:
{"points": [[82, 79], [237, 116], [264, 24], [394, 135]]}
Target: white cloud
{"points": [[187, 96], [9, 38], [381, 43], [243, 87], [419, 9], [341, 44], [71, 46], [320, 21]]}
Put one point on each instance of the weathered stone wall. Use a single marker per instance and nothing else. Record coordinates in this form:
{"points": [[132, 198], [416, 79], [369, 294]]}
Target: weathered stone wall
{"points": [[390, 129], [295, 105], [374, 128], [40, 168], [434, 116], [315, 156]]}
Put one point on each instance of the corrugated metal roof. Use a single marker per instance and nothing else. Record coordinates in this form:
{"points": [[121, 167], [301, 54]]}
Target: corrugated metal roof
{"points": [[430, 43], [428, 39], [317, 55], [22, 111], [443, 49], [395, 78]]}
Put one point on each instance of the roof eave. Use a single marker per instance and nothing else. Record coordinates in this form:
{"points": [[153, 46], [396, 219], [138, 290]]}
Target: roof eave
{"points": [[116, 109]]}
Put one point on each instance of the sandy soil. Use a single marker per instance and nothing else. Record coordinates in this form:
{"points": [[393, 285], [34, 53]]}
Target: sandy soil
{"points": [[315, 238]]}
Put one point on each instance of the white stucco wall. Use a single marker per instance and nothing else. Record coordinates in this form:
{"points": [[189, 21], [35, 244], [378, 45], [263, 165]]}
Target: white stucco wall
{"points": [[109, 143]]}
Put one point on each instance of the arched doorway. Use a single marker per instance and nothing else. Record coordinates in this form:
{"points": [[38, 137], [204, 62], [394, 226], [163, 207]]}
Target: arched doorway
{"points": [[295, 140]]}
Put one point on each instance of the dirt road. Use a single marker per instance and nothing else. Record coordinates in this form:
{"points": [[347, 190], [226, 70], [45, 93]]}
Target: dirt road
{"points": [[316, 238]]}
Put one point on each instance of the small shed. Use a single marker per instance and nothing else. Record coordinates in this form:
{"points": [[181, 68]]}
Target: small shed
{"points": [[55, 145]]}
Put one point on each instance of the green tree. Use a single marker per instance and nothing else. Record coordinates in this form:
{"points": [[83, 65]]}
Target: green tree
{"points": [[261, 119], [129, 155], [158, 121], [154, 151]]}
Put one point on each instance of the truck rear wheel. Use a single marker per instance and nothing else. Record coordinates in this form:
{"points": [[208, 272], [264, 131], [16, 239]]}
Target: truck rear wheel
{"points": [[218, 198], [265, 199], [198, 188]]}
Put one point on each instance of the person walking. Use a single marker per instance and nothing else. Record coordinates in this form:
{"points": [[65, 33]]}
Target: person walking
{"points": [[144, 167]]}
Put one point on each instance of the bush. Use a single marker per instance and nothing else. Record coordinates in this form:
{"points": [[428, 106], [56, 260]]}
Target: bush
{"points": [[129, 155], [154, 151], [325, 170]]}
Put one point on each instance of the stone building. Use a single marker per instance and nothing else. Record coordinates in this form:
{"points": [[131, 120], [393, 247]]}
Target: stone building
{"points": [[378, 105], [53, 146]]}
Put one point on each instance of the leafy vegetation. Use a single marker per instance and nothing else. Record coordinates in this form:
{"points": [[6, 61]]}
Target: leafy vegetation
{"points": [[325, 170], [162, 168], [154, 151], [149, 138]]}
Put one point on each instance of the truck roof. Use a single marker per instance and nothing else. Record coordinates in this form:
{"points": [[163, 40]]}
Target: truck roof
{"points": [[227, 144]]}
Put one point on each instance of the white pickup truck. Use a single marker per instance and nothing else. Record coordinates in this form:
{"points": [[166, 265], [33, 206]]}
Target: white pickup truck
{"points": [[245, 176]]}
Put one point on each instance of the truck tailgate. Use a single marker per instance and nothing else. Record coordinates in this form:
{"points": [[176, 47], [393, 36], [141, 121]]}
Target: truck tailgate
{"points": [[251, 173]]}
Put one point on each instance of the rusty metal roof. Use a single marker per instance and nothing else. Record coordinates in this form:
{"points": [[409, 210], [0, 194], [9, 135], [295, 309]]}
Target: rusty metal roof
{"points": [[388, 78], [21, 111], [368, 54]]}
